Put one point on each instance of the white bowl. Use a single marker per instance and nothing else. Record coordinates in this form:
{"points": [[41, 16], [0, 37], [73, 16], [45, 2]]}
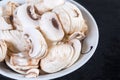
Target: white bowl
{"points": [[91, 40]]}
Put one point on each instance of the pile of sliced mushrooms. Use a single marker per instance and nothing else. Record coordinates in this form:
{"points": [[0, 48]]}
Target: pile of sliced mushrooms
{"points": [[40, 36]]}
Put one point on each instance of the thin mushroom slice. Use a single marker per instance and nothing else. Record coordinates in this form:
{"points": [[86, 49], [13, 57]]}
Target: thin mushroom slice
{"points": [[7, 61], [4, 25], [3, 50], [39, 45], [42, 6], [19, 69], [14, 39], [8, 11], [64, 18], [51, 26], [10, 8], [23, 59], [77, 20], [58, 58], [23, 16], [76, 44], [77, 35], [32, 73]]}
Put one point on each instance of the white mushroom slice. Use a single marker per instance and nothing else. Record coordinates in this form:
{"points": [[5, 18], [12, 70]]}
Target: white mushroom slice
{"points": [[19, 69], [47, 5], [3, 50], [32, 73], [32, 12], [23, 59], [4, 25], [10, 8], [77, 35], [58, 58], [8, 11], [51, 27], [39, 45], [14, 39], [34, 1], [7, 60], [53, 3], [64, 18], [76, 44], [76, 19], [24, 18], [1, 11]]}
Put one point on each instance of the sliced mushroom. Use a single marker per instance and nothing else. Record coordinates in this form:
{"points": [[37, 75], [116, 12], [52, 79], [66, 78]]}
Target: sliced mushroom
{"points": [[43, 6], [51, 26], [3, 50], [23, 59], [76, 44], [24, 17], [4, 25], [32, 12], [64, 18], [39, 45], [58, 58], [10, 8], [77, 35], [20, 67], [76, 19], [32, 73], [8, 11], [14, 39]]}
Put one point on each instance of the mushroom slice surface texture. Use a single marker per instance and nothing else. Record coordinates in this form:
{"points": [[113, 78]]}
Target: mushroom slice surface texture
{"points": [[64, 18], [77, 20], [9, 8], [77, 35], [58, 58], [3, 24], [14, 39], [76, 44], [39, 45], [16, 63], [24, 18], [32, 73], [42, 6], [51, 26], [3, 50]]}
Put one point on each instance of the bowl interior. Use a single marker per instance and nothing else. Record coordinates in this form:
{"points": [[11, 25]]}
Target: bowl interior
{"points": [[91, 40]]}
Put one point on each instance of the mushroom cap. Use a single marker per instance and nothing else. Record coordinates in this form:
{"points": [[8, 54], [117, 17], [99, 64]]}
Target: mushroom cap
{"points": [[58, 58], [51, 26]]}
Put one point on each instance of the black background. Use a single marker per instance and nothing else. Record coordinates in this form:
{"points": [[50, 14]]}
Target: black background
{"points": [[105, 63]]}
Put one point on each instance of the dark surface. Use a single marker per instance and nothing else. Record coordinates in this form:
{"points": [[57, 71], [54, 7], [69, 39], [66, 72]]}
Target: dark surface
{"points": [[105, 64]]}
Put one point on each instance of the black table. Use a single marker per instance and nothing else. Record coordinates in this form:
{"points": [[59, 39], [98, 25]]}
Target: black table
{"points": [[105, 64]]}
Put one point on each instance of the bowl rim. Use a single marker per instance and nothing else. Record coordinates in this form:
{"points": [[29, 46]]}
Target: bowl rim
{"points": [[72, 68]]}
